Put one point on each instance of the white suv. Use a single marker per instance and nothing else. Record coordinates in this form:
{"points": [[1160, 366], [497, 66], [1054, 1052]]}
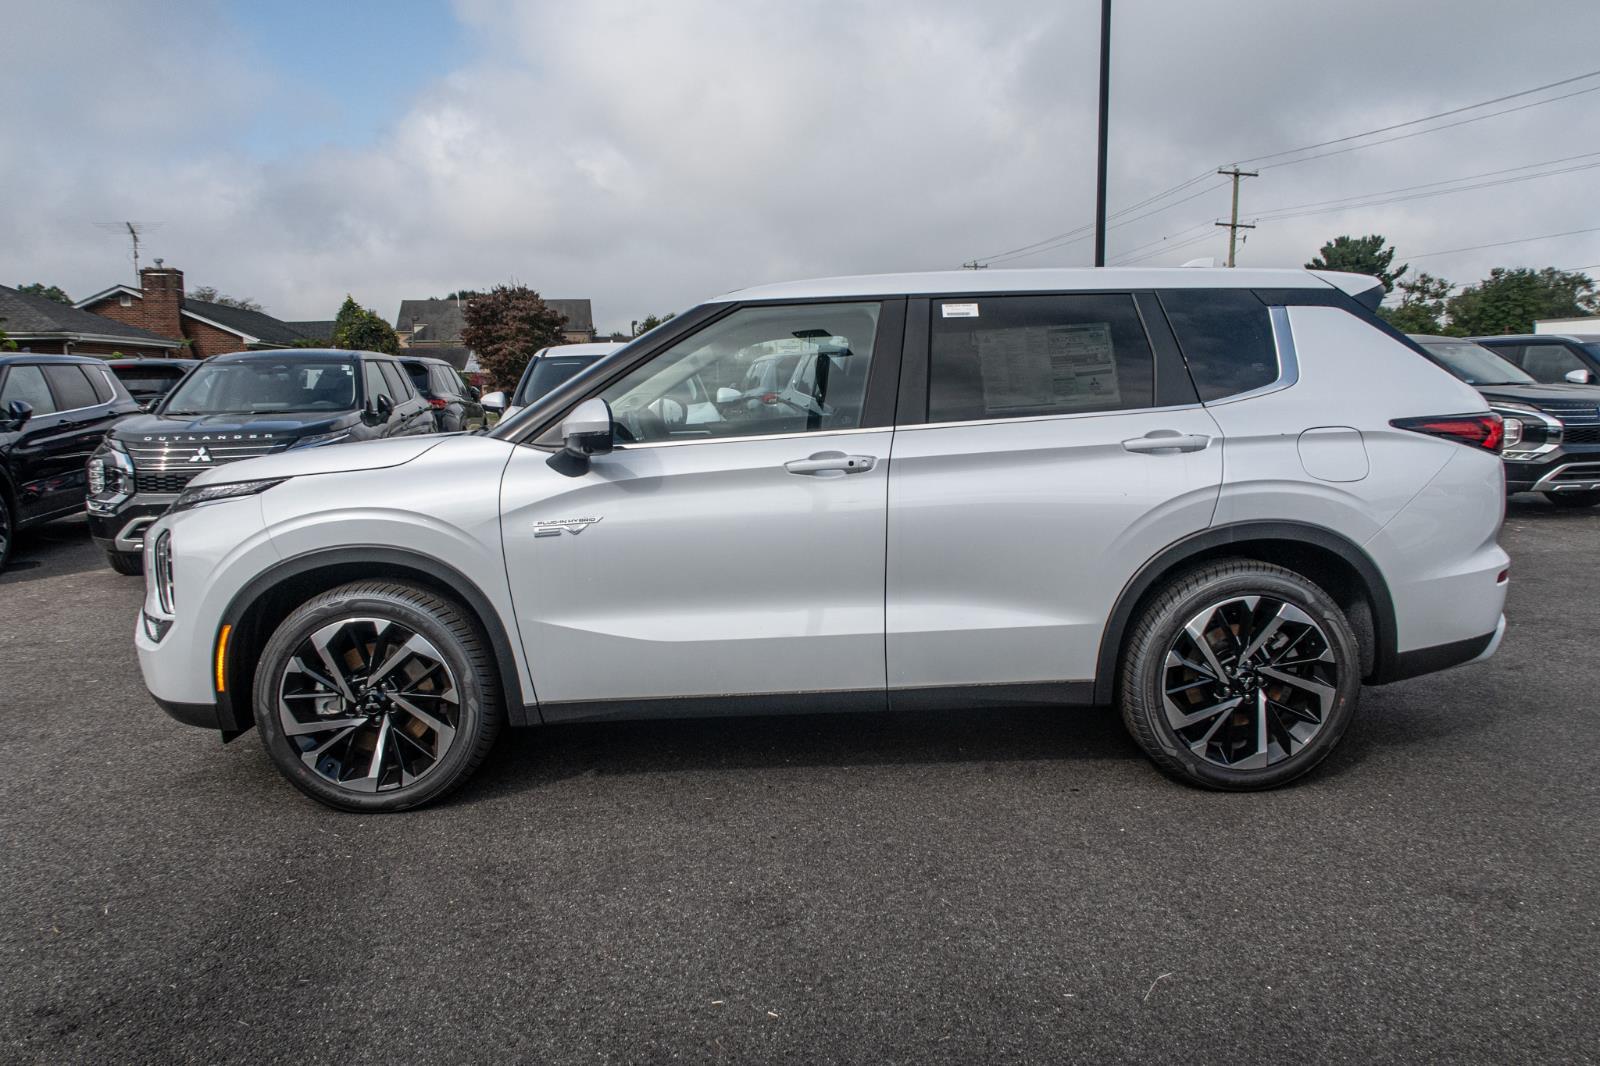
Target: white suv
{"points": [[1220, 500]]}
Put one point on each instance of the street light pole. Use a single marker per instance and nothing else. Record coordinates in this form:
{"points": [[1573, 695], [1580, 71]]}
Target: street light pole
{"points": [[1100, 175]]}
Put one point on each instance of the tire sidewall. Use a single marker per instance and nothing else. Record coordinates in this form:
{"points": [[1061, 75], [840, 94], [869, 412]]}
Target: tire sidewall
{"points": [[1148, 668], [331, 608]]}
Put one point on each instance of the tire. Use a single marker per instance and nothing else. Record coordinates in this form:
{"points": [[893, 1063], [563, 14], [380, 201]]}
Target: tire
{"points": [[1573, 500], [8, 531], [1169, 690], [128, 563], [421, 648]]}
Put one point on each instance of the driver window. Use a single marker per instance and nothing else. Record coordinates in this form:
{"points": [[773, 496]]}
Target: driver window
{"points": [[376, 385], [761, 370]]}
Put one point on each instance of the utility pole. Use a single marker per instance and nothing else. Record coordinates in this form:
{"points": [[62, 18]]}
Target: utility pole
{"points": [[1100, 172], [974, 265], [1233, 224]]}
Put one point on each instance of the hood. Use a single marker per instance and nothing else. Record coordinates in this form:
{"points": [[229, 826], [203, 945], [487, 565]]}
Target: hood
{"points": [[335, 459], [284, 425], [1581, 401]]}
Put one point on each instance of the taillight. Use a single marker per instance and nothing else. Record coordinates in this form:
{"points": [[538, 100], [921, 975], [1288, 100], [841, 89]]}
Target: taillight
{"points": [[1485, 431], [437, 404]]}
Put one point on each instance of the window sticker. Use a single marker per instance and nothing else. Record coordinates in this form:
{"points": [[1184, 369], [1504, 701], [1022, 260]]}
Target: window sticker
{"points": [[959, 310], [1048, 367]]}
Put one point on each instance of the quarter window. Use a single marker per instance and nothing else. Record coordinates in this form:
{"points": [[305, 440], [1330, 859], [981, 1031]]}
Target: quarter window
{"points": [[71, 386], [1025, 356], [26, 383], [759, 371], [1226, 338]]}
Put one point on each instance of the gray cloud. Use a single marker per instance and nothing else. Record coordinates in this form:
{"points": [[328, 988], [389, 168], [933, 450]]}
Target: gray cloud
{"points": [[650, 155]]}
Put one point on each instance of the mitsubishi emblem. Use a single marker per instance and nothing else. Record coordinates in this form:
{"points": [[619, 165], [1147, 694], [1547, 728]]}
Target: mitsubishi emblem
{"points": [[201, 456]]}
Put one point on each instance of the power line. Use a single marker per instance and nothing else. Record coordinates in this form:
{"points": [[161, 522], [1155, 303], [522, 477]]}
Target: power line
{"points": [[1082, 233], [1502, 244], [1431, 184], [1364, 202], [1089, 226], [1427, 118]]}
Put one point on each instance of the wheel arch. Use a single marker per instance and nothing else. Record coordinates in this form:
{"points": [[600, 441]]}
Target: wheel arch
{"points": [[1333, 561], [257, 609]]}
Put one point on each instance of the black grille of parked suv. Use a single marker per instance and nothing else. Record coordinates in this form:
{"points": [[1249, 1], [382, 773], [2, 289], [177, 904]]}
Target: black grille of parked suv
{"points": [[164, 482], [1581, 434]]}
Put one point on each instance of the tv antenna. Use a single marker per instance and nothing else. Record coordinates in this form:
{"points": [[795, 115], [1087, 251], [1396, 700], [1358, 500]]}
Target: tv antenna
{"points": [[134, 230]]}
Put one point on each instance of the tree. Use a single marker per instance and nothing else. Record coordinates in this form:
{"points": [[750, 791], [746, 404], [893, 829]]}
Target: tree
{"points": [[1359, 255], [6, 343], [1422, 305], [49, 292], [209, 294], [358, 329], [1508, 301], [648, 323], [505, 327]]}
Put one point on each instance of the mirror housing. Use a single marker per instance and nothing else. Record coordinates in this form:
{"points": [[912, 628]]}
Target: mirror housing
{"points": [[493, 401], [587, 429], [474, 392], [19, 411], [1579, 377], [727, 395], [378, 412]]}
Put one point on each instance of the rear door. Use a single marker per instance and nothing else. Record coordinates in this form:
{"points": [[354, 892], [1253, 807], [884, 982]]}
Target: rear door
{"points": [[1045, 448], [738, 553], [412, 414]]}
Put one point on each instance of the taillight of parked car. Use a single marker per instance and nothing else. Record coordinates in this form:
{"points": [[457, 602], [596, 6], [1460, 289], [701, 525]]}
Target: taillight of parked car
{"points": [[1486, 431], [437, 404]]}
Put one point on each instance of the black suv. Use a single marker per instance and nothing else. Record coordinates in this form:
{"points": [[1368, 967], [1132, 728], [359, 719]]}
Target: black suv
{"points": [[53, 411], [147, 380], [454, 402], [1549, 357], [238, 407], [1552, 441]]}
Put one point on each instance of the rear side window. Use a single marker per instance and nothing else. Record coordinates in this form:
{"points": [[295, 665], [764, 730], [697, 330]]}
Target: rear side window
{"points": [[1226, 338], [71, 386], [418, 373], [445, 383], [26, 383], [100, 379], [399, 387], [1025, 356]]}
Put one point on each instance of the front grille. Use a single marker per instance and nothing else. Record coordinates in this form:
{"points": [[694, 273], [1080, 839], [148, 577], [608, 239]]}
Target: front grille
{"points": [[1578, 410], [1581, 434], [164, 482], [197, 451]]}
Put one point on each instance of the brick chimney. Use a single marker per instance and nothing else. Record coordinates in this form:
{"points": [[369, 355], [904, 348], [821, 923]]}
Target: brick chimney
{"points": [[163, 300]]}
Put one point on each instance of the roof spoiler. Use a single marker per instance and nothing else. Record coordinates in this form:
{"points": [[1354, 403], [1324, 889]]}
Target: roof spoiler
{"points": [[1366, 290]]}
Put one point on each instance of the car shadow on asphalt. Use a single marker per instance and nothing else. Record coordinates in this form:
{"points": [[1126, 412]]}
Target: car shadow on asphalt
{"points": [[54, 549]]}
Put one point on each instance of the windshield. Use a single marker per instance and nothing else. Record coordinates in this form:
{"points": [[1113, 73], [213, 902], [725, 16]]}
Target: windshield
{"points": [[548, 372], [263, 386], [1477, 365]]}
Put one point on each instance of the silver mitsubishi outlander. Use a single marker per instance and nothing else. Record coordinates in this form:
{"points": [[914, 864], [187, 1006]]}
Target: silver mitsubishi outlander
{"points": [[1218, 500]]}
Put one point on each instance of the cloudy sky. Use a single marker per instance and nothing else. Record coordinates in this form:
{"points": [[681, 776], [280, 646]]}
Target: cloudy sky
{"points": [[647, 155]]}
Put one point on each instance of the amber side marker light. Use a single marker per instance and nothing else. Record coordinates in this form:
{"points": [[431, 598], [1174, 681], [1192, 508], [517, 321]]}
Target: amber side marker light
{"points": [[222, 654]]}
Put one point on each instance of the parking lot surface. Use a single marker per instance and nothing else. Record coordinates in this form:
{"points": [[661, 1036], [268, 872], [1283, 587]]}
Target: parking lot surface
{"points": [[1001, 886]]}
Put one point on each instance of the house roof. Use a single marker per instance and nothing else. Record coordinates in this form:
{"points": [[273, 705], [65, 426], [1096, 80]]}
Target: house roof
{"points": [[441, 320], [250, 325], [29, 316], [318, 330]]}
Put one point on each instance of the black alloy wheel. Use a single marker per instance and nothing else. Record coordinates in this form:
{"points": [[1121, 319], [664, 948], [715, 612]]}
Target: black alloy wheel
{"points": [[377, 697], [1242, 675]]}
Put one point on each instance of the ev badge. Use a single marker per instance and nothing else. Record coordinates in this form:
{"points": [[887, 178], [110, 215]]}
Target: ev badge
{"points": [[558, 526]]}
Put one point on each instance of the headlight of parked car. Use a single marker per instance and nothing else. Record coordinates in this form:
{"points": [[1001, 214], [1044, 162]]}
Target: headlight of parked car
{"points": [[110, 470], [321, 439], [1530, 433], [231, 490]]}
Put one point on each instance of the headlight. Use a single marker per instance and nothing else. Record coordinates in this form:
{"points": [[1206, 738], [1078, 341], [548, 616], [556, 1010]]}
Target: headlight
{"points": [[1513, 433], [161, 571], [110, 470], [97, 476], [321, 438], [231, 490]]}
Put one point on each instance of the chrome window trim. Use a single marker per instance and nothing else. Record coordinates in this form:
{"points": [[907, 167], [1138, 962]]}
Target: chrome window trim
{"points": [[1060, 416], [70, 410], [640, 445], [1288, 361]]}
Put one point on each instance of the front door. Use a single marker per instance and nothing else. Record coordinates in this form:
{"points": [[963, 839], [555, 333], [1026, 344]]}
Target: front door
{"points": [[1045, 474], [733, 542]]}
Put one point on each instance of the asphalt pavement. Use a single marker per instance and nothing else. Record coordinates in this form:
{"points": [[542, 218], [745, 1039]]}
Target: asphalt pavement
{"points": [[1015, 886]]}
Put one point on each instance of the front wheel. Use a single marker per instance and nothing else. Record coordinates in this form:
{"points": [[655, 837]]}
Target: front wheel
{"points": [[377, 696], [6, 532], [1241, 675], [1573, 499]]}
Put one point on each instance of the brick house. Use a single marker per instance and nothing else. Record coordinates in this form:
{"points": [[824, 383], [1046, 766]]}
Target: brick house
{"points": [[40, 324], [159, 306], [433, 327]]}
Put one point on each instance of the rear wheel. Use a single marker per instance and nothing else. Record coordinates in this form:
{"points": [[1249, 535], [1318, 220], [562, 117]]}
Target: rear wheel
{"points": [[1573, 499], [377, 697], [1241, 675], [6, 531], [129, 563]]}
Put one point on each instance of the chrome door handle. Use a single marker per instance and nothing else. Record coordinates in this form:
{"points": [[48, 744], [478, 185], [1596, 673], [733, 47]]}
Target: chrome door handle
{"points": [[831, 463], [1167, 440]]}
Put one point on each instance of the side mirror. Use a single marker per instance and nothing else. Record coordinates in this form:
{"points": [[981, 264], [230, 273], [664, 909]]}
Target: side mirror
{"points": [[474, 392], [1579, 377], [494, 401], [727, 395], [586, 430], [378, 412], [19, 411]]}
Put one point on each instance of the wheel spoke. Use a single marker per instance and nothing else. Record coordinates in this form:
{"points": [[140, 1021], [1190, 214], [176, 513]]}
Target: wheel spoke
{"points": [[1323, 693], [1184, 721], [319, 725], [416, 645], [319, 642], [1195, 630], [443, 730]]}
